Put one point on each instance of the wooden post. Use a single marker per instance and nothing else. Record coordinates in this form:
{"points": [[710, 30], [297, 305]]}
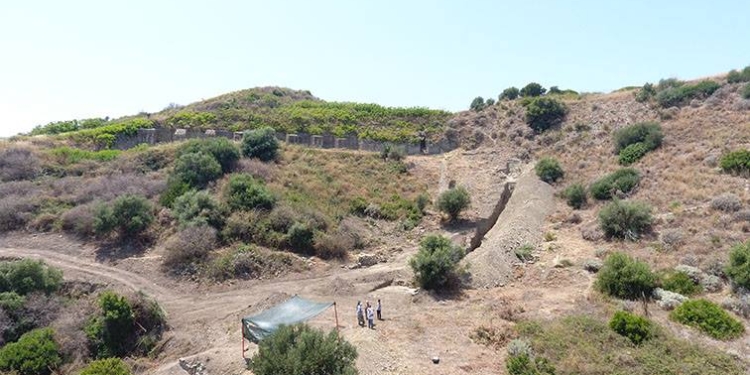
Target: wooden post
{"points": [[336, 314], [242, 333]]}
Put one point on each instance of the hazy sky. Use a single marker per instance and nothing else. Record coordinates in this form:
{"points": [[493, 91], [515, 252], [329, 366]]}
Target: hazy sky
{"points": [[76, 59]]}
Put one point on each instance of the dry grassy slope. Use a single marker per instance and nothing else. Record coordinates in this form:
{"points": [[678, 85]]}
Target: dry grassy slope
{"points": [[679, 179]]}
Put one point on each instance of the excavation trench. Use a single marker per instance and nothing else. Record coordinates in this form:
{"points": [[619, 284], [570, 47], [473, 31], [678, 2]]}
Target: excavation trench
{"points": [[485, 225]]}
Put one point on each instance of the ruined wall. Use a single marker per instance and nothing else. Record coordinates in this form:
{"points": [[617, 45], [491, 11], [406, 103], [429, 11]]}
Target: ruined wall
{"points": [[325, 141]]}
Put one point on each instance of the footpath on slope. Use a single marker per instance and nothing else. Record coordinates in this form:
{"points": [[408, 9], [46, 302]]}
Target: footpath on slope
{"points": [[520, 223]]}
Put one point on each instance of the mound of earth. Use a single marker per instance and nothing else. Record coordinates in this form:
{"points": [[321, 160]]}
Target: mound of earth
{"points": [[520, 223]]}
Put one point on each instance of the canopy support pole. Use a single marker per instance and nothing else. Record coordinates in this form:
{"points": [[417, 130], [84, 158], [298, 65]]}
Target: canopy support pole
{"points": [[242, 333], [336, 315]]}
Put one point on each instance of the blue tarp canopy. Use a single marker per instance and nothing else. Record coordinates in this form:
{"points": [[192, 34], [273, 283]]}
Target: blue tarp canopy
{"points": [[294, 310]]}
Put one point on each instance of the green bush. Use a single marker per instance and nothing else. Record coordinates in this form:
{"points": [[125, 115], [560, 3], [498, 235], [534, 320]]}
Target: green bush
{"points": [[511, 93], [175, 189], [35, 353], [526, 365], [110, 334], [199, 207], [736, 162], [301, 350], [738, 269], [549, 170], [680, 282], [436, 263], [532, 89], [623, 180], [624, 277], [637, 329], [130, 215], [243, 192], [453, 201], [625, 220], [301, 238], [632, 153], [709, 318], [736, 77], [109, 366], [224, 151], [647, 133], [543, 113], [575, 196], [261, 144], [477, 104], [746, 91], [26, 276], [197, 169], [681, 95], [645, 93], [422, 201]]}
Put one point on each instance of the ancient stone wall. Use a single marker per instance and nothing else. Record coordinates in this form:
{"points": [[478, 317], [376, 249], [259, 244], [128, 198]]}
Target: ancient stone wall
{"points": [[325, 141]]}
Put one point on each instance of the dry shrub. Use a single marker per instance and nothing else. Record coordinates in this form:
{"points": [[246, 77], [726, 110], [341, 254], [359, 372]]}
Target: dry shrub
{"points": [[44, 222], [69, 332], [107, 188], [80, 219], [494, 337], [355, 230], [18, 164], [335, 245], [41, 309], [250, 262], [282, 218], [256, 168], [18, 188], [672, 238], [726, 202], [187, 246], [742, 216], [15, 212]]}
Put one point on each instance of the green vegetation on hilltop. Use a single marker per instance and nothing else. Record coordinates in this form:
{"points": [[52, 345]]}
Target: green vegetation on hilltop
{"points": [[284, 110], [672, 92]]}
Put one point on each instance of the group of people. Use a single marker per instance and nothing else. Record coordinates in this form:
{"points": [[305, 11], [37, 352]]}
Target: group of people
{"points": [[367, 312]]}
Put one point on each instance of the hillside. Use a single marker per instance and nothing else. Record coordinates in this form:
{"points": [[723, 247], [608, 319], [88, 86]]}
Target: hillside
{"points": [[225, 231], [285, 110]]}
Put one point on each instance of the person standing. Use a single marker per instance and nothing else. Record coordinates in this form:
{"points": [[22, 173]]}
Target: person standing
{"points": [[360, 314], [370, 317], [380, 307]]}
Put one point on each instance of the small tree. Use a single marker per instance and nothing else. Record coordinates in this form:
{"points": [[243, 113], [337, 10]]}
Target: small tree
{"points": [[544, 113], [622, 180], [436, 263], [549, 170], [35, 353], [199, 207], [489, 102], [511, 93], [453, 201], [300, 238], [197, 169], [575, 195], [738, 269], [301, 350], [709, 318], [129, 214], [261, 144], [624, 277], [109, 366], [477, 104], [532, 89], [27, 275], [647, 133], [224, 151], [736, 162], [243, 192], [625, 220], [110, 334], [634, 327]]}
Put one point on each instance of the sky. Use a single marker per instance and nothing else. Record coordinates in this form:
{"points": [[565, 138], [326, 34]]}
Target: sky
{"points": [[72, 59]]}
